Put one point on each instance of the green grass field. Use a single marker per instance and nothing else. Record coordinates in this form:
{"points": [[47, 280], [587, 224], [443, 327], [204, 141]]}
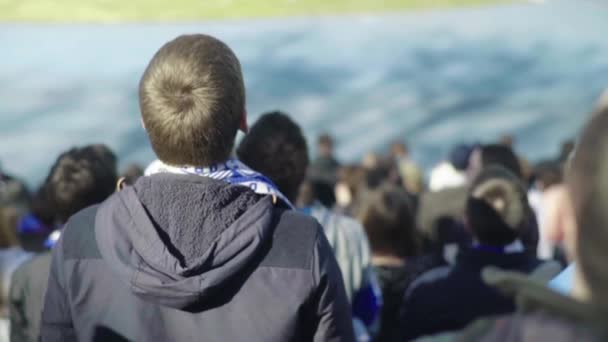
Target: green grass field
{"points": [[180, 10]]}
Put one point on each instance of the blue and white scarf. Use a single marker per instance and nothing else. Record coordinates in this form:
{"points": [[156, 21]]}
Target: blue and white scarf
{"points": [[232, 171]]}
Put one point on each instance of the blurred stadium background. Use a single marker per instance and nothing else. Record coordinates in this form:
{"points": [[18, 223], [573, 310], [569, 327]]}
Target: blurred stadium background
{"points": [[366, 71]]}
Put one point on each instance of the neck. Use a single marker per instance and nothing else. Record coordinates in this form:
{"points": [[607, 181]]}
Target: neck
{"points": [[387, 260]]}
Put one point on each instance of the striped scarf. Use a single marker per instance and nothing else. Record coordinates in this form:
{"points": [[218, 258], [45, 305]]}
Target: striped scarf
{"points": [[232, 172]]}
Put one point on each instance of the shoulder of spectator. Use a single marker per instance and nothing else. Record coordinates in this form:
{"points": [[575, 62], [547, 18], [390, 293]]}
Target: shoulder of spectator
{"points": [[429, 277]]}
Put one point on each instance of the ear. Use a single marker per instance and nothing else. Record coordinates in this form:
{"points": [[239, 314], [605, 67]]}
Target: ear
{"points": [[244, 127]]}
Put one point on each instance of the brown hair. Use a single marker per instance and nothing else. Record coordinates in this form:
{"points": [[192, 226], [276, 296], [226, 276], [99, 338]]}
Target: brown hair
{"points": [[79, 178], [192, 100], [587, 178], [388, 219]]}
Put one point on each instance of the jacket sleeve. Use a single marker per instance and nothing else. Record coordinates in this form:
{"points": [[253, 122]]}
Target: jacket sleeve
{"points": [[414, 320], [331, 308], [57, 324], [17, 297]]}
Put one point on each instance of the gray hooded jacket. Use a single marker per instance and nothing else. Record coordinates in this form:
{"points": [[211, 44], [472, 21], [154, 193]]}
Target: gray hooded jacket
{"points": [[187, 258]]}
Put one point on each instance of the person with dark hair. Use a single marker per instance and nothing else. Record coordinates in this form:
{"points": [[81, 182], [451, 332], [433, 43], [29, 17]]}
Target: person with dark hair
{"points": [[445, 209], [80, 177], [14, 193], [276, 147], [325, 166], [349, 189], [449, 298], [132, 173], [546, 315], [494, 154], [203, 245], [388, 218]]}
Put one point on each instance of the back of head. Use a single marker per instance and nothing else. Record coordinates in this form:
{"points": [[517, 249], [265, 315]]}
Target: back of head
{"points": [[276, 147], [80, 178], [497, 207], [587, 177], [312, 191], [132, 173], [501, 155], [388, 219], [192, 101]]}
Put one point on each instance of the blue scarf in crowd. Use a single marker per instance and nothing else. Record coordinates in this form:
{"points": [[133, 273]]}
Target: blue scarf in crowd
{"points": [[232, 171]]}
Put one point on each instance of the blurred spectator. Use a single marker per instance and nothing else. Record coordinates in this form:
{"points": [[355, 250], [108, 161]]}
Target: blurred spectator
{"points": [[494, 154], [14, 194], [411, 175], [449, 298], [546, 315], [349, 189], [507, 140], [446, 208], [452, 172], [11, 256], [80, 177], [204, 245], [325, 166], [276, 147], [388, 218]]}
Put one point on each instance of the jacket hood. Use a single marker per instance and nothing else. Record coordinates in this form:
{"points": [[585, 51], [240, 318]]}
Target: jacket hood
{"points": [[176, 239]]}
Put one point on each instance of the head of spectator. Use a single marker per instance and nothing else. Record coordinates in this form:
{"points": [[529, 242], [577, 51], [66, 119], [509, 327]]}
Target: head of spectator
{"points": [[325, 146], [313, 190], [276, 147], [586, 241], [192, 101], [132, 173], [497, 207], [14, 193], [80, 178], [388, 218], [349, 188], [324, 167], [494, 154]]}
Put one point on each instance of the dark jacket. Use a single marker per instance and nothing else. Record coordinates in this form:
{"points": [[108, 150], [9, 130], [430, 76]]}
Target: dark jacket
{"points": [[450, 297], [187, 258], [543, 315], [27, 298], [394, 281]]}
